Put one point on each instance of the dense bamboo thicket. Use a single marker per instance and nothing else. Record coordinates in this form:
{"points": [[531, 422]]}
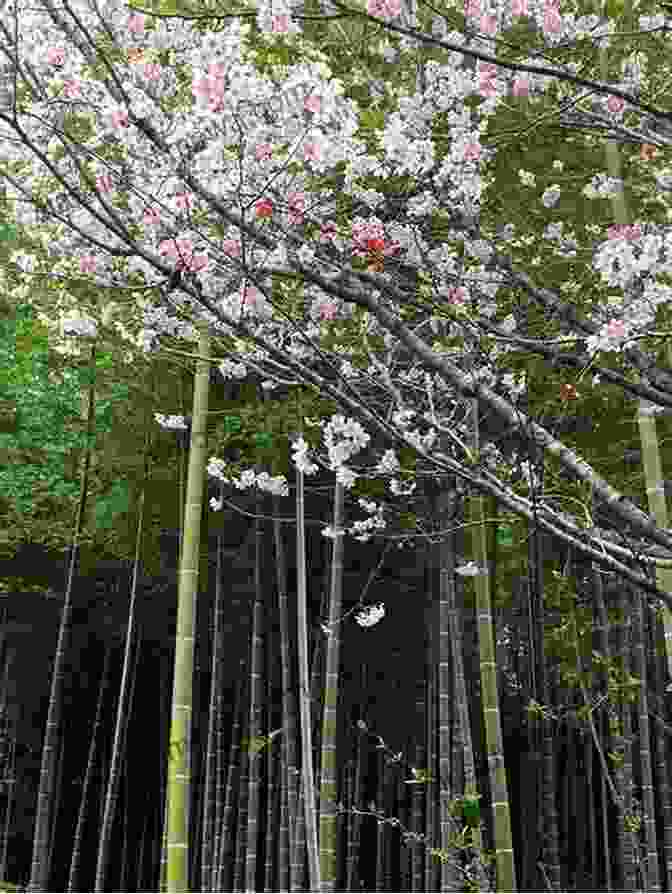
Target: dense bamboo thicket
{"points": [[207, 689], [408, 782]]}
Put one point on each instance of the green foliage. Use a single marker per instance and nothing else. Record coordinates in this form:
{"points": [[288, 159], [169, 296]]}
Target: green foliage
{"points": [[115, 502], [261, 430], [41, 448]]}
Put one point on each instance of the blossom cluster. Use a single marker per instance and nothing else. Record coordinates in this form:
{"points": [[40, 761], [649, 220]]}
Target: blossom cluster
{"points": [[272, 484], [311, 121], [370, 614], [171, 422], [343, 438]]}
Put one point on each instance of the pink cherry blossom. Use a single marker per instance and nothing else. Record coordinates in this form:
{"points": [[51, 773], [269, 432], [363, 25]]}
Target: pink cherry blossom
{"points": [[182, 252], [472, 152], [104, 183], [327, 310], [136, 23], [200, 87], [56, 55], [487, 87], [263, 208], [552, 22], [252, 297], [263, 151], [616, 329], [624, 231], [280, 24], [217, 70], [521, 86], [216, 103], [297, 204], [312, 152], [313, 103], [184, 201], [152, 71], [519, 8], [456, 295], [386, 9], [72, 89], [615, 104], [198, 262], [178, 249], [327, 231], [151, 216], [87, 264], [120, 118], [232, 247], [489, 25]]}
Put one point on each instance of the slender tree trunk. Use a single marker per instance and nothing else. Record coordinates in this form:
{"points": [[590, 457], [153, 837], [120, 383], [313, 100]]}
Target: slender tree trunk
{"points": [[226, 852], [255, 748], [501, 814], [306, 724], [88, 775], [448, 659], [289, 739], [40, 868], [662, 772], [121, 719], [429, 789], [355, 823], [212, 767], [328, 793], [650, 868], [549, 812], [417, 819], [178, 787]]}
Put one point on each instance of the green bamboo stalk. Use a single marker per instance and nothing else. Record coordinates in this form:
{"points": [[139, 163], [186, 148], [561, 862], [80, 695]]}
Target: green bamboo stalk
{"points": [[467, 782], [648, 802], [273, 765], [601, 633], [450, 669], [11, 799], [653, 473], [403, 814], [243, 795], [430, 789], [123, 705], [592, 818], [417, 820], [355, 821], [178, 787], [284, 849], [226, 834], [623, 770], [88, 775], [213, 770], [298, 882], [40, 867], [289, 724], [306, 730], [549, 812], [501, 813], [328, 766], [254, 723], [272, 804], [655, 491], [662, 774]]}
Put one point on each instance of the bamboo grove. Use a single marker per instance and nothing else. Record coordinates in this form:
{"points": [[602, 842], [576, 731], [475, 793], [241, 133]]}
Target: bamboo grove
{"points": [[206, 688]]}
